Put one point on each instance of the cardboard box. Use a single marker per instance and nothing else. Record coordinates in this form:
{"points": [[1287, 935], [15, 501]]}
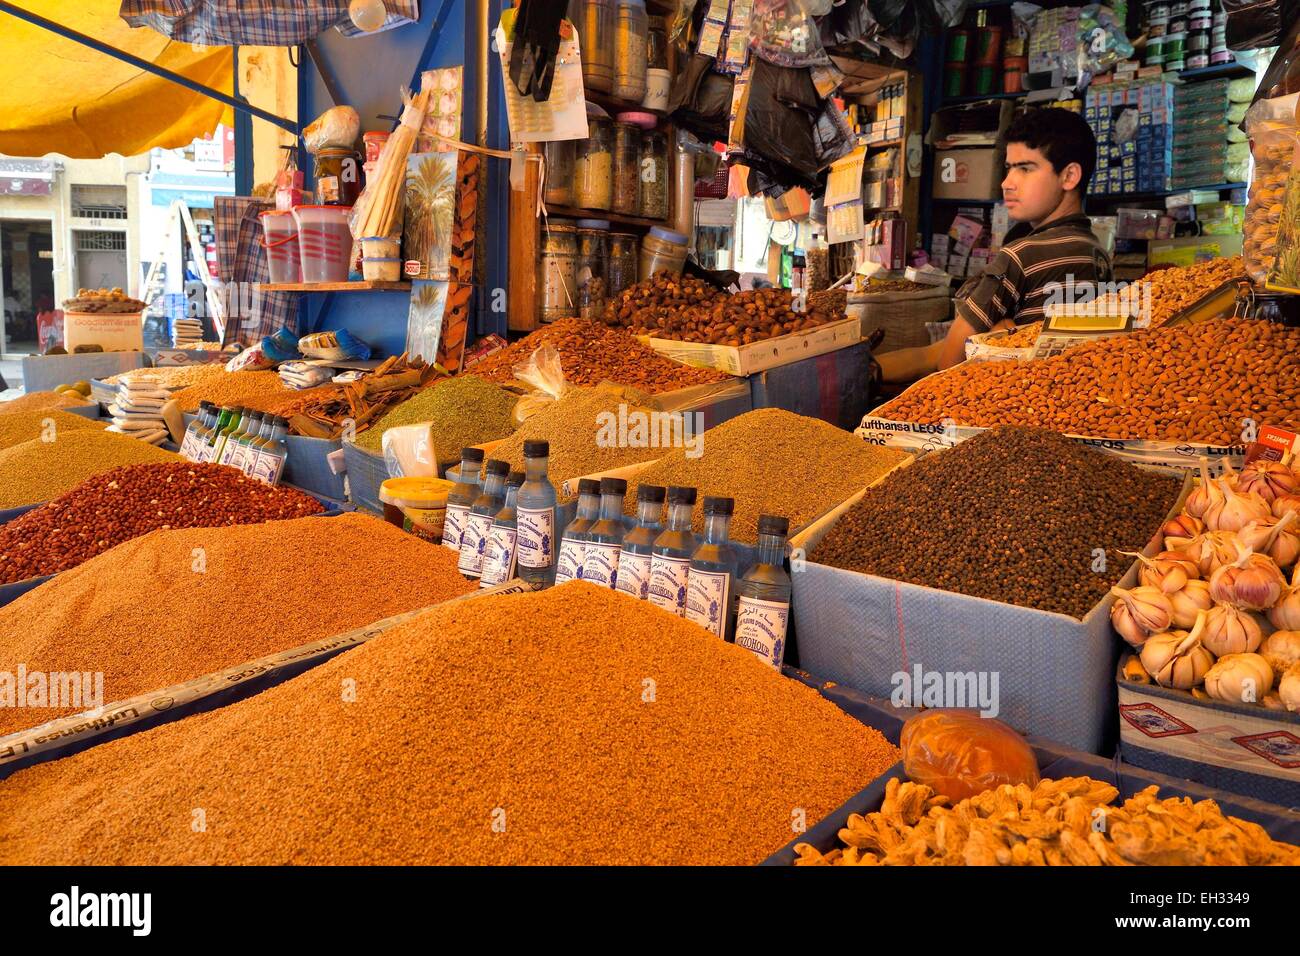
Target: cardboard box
{"points": [[758, 356], [974, 172]]}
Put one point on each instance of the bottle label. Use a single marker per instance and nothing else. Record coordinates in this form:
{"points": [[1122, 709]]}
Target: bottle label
{"points": [[187, 444], [227, 449], [707, 596], [634, 575], [536, 537], [238, 458], [499, 559], [568, 566], [268, 467], [453, 526], [600, 566], [473, 543], [760, 627], [668, 580]]}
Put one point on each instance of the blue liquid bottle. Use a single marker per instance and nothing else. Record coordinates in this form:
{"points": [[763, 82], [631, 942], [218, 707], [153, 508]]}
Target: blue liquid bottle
{"points": [[573, 544], [536, 517], [670, 561], [763, 612], [478, 524], [638, 544], [499, 559], [710, 589], [605, 538], [461, 496]]}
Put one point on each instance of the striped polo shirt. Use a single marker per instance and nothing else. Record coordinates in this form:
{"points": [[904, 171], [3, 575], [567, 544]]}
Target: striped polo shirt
{"points": [[1017, 282]]}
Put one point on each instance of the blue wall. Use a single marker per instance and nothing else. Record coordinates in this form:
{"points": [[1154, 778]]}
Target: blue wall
{"points": [[370, 72]]}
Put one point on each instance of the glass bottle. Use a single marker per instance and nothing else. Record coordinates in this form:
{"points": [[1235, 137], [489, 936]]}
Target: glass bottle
{"points": [[670, 561], [593, 167], [763, 611], [194, 430], [235, 437], [536, 517], [623, 262], [241, 441], [499, 559], [272, 456], [714, 566], [573, 545], [627, 168], [559, 266], [223, 434], [594, 21], [654, 175], [638, 544], [605, 537], [478, 522], [593, 252], [258, 443], [631, 39], [559, 155], [656, 50], [461, 496]]}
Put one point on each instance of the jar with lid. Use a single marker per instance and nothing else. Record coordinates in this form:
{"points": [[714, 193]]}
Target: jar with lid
{"points": [[595, 23], [656, 51], [593, 167], [630, 55], [338, 177], [559, 266], [559, 156], [662, 249], [593, 251], [627, 168], [654, 175], [624, 252]]}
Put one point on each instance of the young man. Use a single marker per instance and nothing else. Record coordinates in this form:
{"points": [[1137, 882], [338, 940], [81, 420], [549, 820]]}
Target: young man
{"points": [[1051, 155]]}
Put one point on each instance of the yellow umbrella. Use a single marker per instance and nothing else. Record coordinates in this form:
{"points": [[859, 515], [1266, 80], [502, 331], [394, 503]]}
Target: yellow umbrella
{"points": [[59, 96]]}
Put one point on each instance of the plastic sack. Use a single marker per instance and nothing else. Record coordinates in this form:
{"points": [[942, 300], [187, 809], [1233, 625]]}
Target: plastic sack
{"points": [[784, 33], [1270, 241], [543, 373], [1102, 41], [700, 100], [961, 754], [337, 128], [1254, 24], [334, 346], [409, 452], [250, 360]]}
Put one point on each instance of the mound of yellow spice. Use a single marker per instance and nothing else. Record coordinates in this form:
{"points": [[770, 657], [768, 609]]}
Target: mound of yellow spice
{"points": [[35, 471], [24, 426], [174, 605], [573, 726]]}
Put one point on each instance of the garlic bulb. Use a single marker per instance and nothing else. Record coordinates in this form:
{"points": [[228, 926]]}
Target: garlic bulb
{"points": [[1285, 503], [1230, 630], [1288, 689], [1281, 649], [1169, 570], [1181, 531], [1139, 613], [1283, 545], [1268, 479], [1188, 602], [1253, 582], [1204, 495], [1235, 510], [1239, 679], [1176, 658], [1285, 614], [1213, 549]]}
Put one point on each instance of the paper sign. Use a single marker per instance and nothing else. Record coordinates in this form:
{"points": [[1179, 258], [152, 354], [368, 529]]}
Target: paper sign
{"points": [[1273, 444]]}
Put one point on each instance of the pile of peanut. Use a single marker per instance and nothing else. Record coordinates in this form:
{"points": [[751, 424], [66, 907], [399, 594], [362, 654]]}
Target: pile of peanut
{"points": [[1203, 382]]}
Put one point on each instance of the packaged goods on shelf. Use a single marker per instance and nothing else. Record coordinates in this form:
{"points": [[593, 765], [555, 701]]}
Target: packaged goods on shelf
{"points": [[35, 471], [160, 623], [729, 717], [124, 503]]}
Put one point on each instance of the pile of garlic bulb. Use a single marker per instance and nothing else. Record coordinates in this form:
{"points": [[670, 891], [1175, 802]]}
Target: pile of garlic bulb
{"points": [[1214, 612]]}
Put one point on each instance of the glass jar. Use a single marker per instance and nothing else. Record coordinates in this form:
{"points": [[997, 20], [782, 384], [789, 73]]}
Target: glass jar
{"points": [[654, 175], [338, 177], [595, 22], [593, 167], [559, 157], [656, 50], [630, 40], [559, 266], [627, 169], [593, 252], [624, 253]]}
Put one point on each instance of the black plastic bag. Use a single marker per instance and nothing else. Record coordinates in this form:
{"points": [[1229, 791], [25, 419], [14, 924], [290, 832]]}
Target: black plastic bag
{"points": [[701, 99], [1280, 76], [781, 116], [1258, 23]]}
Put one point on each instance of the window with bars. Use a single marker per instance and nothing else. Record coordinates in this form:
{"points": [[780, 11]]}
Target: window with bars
{"points": [[99, 241], [99, 202]]}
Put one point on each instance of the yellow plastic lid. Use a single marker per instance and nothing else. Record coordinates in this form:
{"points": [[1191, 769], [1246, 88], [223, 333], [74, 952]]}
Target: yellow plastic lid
{"points": [[416, 492]]}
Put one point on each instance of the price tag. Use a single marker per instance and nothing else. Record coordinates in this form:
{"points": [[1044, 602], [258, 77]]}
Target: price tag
{"points": [[1273, 444]]}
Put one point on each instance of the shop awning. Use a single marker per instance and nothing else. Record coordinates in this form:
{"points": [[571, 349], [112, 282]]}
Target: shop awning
{"points": [[58, 96]]}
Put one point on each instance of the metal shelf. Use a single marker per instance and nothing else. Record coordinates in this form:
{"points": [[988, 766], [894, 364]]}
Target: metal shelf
{"points": [[359, 286]]}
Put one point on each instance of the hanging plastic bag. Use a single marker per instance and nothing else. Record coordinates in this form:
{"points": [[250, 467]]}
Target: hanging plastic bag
{"points": [[543, 373], [784, 33], [337, 128], [701, 99], [1102, 41], [1270, 248]]}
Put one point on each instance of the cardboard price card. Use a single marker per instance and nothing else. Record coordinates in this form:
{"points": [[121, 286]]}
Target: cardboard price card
{"points": [[1272, 444]]}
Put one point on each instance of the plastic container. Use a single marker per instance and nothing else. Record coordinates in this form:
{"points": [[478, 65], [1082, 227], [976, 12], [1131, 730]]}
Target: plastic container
{"points": [[658, 85], [416, 505], [593, 167], [631, 38], [627, 168], [1155, 55], [654, 185], [593, 253], [379, 247], [374, 143], [1157, 28], [558, 156], [381, 270], [324, 242], [1175, 46], [662, 249], [280, 238], [559, 267], [595, 21], [623, 262]]}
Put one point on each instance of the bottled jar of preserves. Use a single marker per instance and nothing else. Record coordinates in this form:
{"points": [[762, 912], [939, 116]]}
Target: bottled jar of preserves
{"points": [[559, 157], [654, 175], [593, 289], [630, 39], [627, 169], [624, 261], [338, 177], [559, 270], [595, 23], [593, 166]]}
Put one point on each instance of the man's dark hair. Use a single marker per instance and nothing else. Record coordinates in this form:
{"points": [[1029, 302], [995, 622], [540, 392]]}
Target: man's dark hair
{"points": [[1063, 136]]}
